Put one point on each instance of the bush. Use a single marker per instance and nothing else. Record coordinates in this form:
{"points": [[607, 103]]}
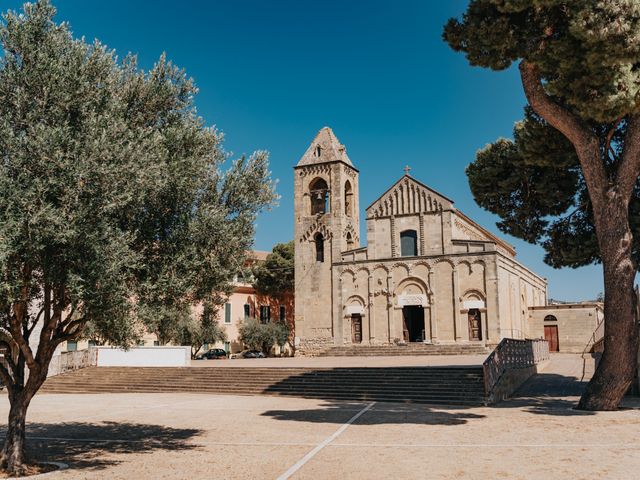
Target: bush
{"points": [[263, 336]]}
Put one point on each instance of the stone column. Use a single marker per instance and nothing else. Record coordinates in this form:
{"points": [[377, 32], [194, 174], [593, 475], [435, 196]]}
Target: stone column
{"points": [[370, 309], [456, 307], [389, 305], [394, 250], [421, 244], [433, 317]]}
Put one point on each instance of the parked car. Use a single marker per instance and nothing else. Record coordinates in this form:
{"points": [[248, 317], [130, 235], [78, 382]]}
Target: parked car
{"points": [[213, 354], [253, 354]]}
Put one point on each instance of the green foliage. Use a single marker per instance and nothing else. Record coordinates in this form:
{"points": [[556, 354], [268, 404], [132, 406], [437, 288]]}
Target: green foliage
{"points": [[587, 54], [586, 50], [116, 204], [194, 331], [274, 276], [263, 336]]}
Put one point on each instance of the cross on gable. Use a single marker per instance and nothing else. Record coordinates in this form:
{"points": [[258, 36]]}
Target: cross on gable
{"points": [[407, 169]]}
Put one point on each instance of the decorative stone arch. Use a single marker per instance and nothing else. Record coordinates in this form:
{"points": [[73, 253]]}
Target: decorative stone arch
{"points": [[473, 298], [355, 304], [412, 291], [464, 263], [406, 266], [363, 269], [381, 266], [348, 273], [314, 229], [423, 263], [445, 260]]}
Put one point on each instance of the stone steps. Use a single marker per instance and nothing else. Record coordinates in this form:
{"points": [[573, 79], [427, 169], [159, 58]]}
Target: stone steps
{"points": [[411, 349], [437, 385]]}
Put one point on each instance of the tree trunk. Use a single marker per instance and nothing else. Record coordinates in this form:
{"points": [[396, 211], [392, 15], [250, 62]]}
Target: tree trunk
{"points": [[616, 370], [13, 451]]}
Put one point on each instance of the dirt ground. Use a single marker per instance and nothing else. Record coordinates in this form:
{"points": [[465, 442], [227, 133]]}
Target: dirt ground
{"points": [[176, 436]]}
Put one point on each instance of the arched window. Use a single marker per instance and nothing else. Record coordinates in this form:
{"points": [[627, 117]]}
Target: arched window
{"points": [[349, 241], [409, 243], [319, 247], [319, 192], [318, 151], [348, 199], [550, 318]]}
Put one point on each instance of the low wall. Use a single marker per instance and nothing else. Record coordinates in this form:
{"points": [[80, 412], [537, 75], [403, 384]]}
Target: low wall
{"points": [[69, 361], [511, 363], [144, 357], [512, 380]]}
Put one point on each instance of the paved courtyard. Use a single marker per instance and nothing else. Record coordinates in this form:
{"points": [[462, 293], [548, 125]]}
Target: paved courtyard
{"points": [[174, 436]]}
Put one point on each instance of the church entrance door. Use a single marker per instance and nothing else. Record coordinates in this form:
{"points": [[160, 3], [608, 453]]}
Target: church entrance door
{"points": [[356, 328], [413, 323], [475, 325]]}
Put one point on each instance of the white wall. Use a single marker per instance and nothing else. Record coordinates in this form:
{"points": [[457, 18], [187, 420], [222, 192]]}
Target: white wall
{"points": [[144, 357]]}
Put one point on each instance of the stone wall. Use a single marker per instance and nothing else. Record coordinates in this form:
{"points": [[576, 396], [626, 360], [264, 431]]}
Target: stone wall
{"points": [[576, 324]]}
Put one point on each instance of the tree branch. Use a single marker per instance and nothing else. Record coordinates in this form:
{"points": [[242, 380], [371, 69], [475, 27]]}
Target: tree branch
{"points": [[583, 140], [629, 169], [7, 379]]}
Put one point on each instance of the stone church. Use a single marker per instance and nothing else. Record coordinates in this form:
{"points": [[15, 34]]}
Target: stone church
{"points": [[428, 273]]}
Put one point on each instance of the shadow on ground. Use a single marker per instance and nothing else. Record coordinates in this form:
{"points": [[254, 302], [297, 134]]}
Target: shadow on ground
{"points": [[90, 445], [381, 414]]}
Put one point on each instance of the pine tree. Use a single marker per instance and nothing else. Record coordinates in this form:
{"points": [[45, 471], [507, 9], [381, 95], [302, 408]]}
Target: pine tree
{"points": [[568, 180]]}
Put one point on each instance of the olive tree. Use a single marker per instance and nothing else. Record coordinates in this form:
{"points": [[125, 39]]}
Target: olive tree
{"points": [[114, 200]]}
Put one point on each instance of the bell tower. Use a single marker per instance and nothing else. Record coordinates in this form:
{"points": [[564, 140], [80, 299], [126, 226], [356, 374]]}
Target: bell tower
{"points": [[327, 223]]}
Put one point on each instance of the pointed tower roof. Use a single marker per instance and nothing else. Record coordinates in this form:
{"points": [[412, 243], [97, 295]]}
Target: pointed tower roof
{"points": [[325, 148]]}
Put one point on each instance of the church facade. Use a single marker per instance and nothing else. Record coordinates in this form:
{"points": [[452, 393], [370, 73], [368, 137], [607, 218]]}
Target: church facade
{"points": [[428, 273]]}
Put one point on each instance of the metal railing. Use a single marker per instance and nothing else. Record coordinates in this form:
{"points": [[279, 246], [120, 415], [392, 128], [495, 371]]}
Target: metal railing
{"points": [[512, 354]]}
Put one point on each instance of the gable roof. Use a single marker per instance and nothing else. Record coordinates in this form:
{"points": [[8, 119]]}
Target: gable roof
{"points": [[408, 195], [331, 150], [510, 249]]}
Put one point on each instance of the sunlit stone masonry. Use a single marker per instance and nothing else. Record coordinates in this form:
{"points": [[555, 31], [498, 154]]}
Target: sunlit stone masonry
{"points": [[428, 273]]}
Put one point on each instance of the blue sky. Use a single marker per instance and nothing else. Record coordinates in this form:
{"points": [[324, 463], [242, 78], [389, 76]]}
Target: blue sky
{"points": [[272, 73]]}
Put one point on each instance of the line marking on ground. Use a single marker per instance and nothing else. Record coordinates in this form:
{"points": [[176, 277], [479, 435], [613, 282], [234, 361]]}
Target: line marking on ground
{"points": [[357, 445], [300, 463]]}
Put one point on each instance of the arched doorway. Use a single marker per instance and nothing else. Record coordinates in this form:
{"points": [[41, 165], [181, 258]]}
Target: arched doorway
{"points": [[475, 324], [412, 298]]}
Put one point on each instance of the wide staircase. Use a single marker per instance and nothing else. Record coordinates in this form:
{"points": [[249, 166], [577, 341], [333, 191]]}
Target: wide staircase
{"points": [[409, 349], [430, 385]]}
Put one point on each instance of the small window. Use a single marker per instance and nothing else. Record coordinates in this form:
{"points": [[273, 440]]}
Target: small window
{"points": [[319, 247], [227, 313], [247, 311], [72, 346], [349, 241], [550, 318], [265, 313], [318, 151], [348, 199], [283, 313], [156, 343], [409, 243]]}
